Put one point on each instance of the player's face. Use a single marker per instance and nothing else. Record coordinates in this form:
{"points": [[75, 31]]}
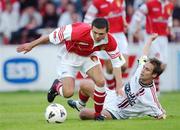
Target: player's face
{"points": [[99, 34], [147, 72]]}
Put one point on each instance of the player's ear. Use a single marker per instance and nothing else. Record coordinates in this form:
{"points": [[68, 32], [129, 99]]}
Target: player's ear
{"points": [[154, 75]]}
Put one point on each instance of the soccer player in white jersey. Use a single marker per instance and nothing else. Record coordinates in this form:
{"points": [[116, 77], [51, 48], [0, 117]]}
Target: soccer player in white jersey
{"points": [[139, 97]]}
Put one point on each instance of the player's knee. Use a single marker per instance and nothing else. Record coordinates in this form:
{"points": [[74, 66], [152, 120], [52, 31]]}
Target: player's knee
{"points": [[68, 94], [109, 70], [82, 115], [124, 68], [100, 82], [82, 85]]}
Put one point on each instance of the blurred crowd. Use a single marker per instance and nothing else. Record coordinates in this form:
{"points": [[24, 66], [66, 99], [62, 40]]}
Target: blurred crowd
{"points": [[24, 20]]}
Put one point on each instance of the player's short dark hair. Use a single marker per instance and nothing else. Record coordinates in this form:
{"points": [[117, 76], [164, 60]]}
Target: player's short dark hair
{"points": [[159, 67], [101, 23]]}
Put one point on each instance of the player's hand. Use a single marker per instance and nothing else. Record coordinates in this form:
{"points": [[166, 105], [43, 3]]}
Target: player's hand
{"points": [[119, 88], [120, 92], [24, 48], [162, 117], [126, 26], [153, 36]]}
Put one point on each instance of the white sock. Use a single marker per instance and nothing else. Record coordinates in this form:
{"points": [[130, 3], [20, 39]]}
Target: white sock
{"points": [[108, 76], [61, 91]]}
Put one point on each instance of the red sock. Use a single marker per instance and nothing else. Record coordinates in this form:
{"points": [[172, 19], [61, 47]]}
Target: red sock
{"points": [[111, 84], [99, 96]]}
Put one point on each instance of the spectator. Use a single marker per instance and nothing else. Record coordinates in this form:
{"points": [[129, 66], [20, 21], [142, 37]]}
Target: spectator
{"points": [[41, 6], [29, 22], [62, 8], [176, 23], [28, 13], [78, 6], [69, 16], [86, 4], [27, 3], [9, 22], [50, 17]]}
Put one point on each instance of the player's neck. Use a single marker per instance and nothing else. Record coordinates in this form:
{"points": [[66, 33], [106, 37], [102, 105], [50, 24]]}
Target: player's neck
{"points": [[146, 83]]}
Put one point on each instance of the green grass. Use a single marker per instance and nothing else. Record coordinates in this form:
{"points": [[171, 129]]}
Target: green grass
{"points": [[25, 111]]}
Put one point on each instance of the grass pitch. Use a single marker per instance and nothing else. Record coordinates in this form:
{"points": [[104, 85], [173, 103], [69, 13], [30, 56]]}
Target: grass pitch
{"points": [[25, 111]]}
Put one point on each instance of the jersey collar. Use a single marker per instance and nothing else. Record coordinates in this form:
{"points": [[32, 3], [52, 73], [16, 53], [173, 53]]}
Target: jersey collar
{"points": [[146, 85]]}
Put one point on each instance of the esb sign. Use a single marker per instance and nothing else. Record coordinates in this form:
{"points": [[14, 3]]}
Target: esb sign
{"points": [[20, 70]]}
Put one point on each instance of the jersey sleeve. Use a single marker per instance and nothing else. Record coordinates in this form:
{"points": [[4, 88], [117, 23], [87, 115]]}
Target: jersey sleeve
{"points": [[90, 14], [117, 61], [112, 50], [61, 34], [141, 12]]}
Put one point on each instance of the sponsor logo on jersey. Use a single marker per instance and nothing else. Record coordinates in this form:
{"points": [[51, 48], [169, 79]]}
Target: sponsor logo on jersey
{"points": [[20, 70]]}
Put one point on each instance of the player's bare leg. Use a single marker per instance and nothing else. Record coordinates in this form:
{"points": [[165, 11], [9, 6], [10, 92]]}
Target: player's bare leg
{"points": [[87, 88]]}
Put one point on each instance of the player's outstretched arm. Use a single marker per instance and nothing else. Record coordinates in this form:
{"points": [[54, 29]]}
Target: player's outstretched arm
{"points": [[148, 44], [29, 46]]}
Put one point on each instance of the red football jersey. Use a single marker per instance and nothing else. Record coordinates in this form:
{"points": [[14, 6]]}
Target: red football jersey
{"points": [[112, 10], [157, 16], [78, 39]]}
